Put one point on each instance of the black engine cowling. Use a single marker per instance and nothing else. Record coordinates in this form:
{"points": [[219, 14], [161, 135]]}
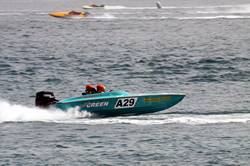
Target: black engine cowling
{"points": [[45, 98]]}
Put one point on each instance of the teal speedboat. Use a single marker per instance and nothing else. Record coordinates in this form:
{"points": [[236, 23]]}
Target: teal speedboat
{"points": [[113, 103]]}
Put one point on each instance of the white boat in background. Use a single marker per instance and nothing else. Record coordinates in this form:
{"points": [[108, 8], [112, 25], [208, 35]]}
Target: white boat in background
{"points": [[92, 6]]}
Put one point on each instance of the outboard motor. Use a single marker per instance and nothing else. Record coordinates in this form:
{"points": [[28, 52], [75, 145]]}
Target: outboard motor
{"points": [[44, 99]]}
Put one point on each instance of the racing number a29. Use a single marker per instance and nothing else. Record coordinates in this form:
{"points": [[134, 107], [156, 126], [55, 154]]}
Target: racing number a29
{"points": [[126, 102]]}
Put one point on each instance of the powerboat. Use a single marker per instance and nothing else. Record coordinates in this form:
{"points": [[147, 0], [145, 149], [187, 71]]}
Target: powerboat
{"points": [[69, 14], [113, 103], [92, 6]]}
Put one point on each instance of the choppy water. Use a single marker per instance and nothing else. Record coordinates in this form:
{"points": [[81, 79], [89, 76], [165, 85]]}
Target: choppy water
{"points": [[195, 47]]}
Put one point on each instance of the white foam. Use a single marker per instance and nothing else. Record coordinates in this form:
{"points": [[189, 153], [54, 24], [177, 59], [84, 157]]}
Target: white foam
{"points": [[114, 7], [132, 8], [109, 16], [75, 17], [160, 119], [18, 113], [211, 119], [105, 16]]}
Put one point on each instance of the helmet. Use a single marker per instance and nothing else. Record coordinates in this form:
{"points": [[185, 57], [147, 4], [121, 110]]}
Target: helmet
{"points": [[89, 86], [100, 88], [90, 89]]}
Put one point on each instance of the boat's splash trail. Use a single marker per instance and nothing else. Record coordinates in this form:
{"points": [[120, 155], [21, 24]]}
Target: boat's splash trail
{"points": [[19, 113]]}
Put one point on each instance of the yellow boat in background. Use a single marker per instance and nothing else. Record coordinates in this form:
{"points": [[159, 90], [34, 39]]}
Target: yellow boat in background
{"points": [[69, 14]]}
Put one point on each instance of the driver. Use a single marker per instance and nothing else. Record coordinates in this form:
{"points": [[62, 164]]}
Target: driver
{"points": [[74, 13], [89, 89], [100, 88]]}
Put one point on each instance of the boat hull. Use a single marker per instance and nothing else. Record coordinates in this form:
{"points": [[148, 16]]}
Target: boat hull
{"points": [[67, 15], [122, 105], [87, 7]]}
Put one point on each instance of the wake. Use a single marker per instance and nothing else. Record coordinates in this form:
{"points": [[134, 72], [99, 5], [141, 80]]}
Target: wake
{"points": [[104, 16], [242, 8], [19, 113]]}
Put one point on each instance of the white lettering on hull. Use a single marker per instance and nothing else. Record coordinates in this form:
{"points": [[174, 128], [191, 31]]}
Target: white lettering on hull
{"points": [[98, 104]]}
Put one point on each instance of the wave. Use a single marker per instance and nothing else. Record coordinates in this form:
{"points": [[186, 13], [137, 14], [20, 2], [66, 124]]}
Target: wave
{"points": [[161, 119], [110, 16], [241, 8], [213, 17], [226, 9], [19, 113], [21, 13], [10, 14], [129, 8]]}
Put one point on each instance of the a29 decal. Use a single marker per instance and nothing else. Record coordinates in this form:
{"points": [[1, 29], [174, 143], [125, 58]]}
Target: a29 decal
{"points": [[126, 102]]}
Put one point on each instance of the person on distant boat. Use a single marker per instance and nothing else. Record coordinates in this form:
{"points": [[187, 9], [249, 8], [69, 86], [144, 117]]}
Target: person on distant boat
{"points": [[100, 88], [74, 13], [158, 5], [94, 5], [89, 89]]}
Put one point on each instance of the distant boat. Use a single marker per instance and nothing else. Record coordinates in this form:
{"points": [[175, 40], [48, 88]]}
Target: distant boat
{"points": [[69, 14], [158, 5], [92, 6]]}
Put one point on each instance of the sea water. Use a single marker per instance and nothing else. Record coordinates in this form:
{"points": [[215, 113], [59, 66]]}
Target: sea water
{"points": [[199, 48]]}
